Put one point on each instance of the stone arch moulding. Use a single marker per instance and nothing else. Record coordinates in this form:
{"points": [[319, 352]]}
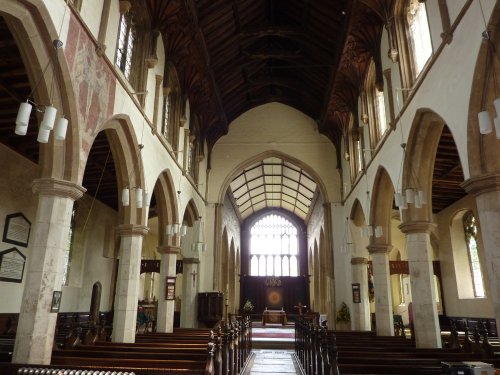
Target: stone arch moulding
{"points": [[166, 203], [277, 154], [357, 214], [31, 34], [129, 168], [423, 141], [483, 150], [191, 213], [381, 205]]}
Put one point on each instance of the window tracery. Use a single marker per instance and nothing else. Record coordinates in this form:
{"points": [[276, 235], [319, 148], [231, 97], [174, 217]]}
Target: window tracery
{"points": [[274, 247]]}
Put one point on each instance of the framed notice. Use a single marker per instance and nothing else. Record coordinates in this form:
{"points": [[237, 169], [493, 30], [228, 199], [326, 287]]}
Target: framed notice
{"points": [[170, 288], [17, 229], [56, 301], [356, 293], [12, 263]]}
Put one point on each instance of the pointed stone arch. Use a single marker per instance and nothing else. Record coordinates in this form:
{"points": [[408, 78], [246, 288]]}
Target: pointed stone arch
{"points": [[231, 269], [278, 154], [128, 165], [166, 204], [57, 159], [381, 206], [224, 259], [419, 160], [191, 214], [483, 151]]}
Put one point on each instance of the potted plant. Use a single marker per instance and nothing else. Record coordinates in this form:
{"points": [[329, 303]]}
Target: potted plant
{"points": [[343, 317], [247, 308]]}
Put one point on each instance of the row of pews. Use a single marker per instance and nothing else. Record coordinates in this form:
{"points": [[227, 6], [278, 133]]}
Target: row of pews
{"points": [[323, 352], [476, 339], [188, 351]]}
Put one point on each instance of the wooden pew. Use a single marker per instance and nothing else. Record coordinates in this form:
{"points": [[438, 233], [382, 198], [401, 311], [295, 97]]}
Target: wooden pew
{"points": [[322, 352]]}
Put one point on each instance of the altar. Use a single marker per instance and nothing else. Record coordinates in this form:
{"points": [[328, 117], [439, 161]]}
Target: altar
{"points": [[274, 317]]}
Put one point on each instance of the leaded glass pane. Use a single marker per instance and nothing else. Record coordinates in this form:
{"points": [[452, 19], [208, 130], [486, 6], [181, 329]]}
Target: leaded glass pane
{"points": [[273, 238], [419, 34], [470, 229]]}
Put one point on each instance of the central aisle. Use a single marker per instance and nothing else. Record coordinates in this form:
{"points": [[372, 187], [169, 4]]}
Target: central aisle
{"points": [[276, 362]]}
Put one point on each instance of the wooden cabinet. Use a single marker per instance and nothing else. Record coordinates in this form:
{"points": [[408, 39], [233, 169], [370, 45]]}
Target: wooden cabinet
{"points": [[210, 308]]}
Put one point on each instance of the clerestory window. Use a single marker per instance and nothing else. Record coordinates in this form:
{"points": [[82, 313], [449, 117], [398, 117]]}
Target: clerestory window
{"points": [[125, 48], [419, 35], [274, 247], [69, 247], [470, 229]]}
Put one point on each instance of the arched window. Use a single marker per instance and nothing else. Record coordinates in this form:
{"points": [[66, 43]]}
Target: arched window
{"points": [[171, 108], [126, 42], [135, 42], [274, 247], [355, 150], [69, 247], [374, 107], [380, 110], [167, 102], [419, 35], [470, 230]]}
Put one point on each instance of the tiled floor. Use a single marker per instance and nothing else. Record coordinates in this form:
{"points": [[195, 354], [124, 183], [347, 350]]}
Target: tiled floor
{"points": [[269, 361]]}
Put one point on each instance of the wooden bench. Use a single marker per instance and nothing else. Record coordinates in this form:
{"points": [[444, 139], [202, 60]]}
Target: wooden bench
{"points": [[326, 352]]}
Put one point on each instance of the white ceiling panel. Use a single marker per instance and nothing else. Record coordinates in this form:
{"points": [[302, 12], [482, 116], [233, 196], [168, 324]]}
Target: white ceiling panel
{"points": [[273, 182]]}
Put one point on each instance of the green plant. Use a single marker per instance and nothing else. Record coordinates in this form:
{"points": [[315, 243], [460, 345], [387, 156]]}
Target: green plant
{"points": [[343, 315], [248, 307]]}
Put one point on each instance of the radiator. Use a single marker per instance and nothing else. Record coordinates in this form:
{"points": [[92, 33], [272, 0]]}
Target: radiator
{"points": [[51, 371]]}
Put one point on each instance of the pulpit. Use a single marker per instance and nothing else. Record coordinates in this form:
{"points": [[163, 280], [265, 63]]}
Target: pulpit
{"points": [[274, 317], [210, 308]]}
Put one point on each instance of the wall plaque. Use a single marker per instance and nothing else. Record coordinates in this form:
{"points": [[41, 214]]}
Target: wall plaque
{"points": [[17, 229], [356, 293], [12, 265], [56, 301], [170, 288]]}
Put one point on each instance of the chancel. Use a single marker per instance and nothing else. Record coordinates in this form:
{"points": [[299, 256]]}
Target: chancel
{"points": [[324, 173]]}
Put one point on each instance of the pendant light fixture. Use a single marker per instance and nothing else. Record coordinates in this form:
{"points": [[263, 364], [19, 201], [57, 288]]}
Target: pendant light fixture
{"points": [[50, 121]]}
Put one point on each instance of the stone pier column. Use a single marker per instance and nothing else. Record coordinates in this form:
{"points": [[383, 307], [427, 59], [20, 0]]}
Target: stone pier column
{"points": [[382, 287], [423, 292], [361, 311], [127, 286], [165, 318], [49, 239], [189, 292]]}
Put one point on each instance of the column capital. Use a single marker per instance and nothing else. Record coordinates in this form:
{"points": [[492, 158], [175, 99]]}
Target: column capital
{"points": [[55, 187], [169, 249], [359, 260], [417, 227], [482, 184], [129, 230], [379, 249], [190, 261]]}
